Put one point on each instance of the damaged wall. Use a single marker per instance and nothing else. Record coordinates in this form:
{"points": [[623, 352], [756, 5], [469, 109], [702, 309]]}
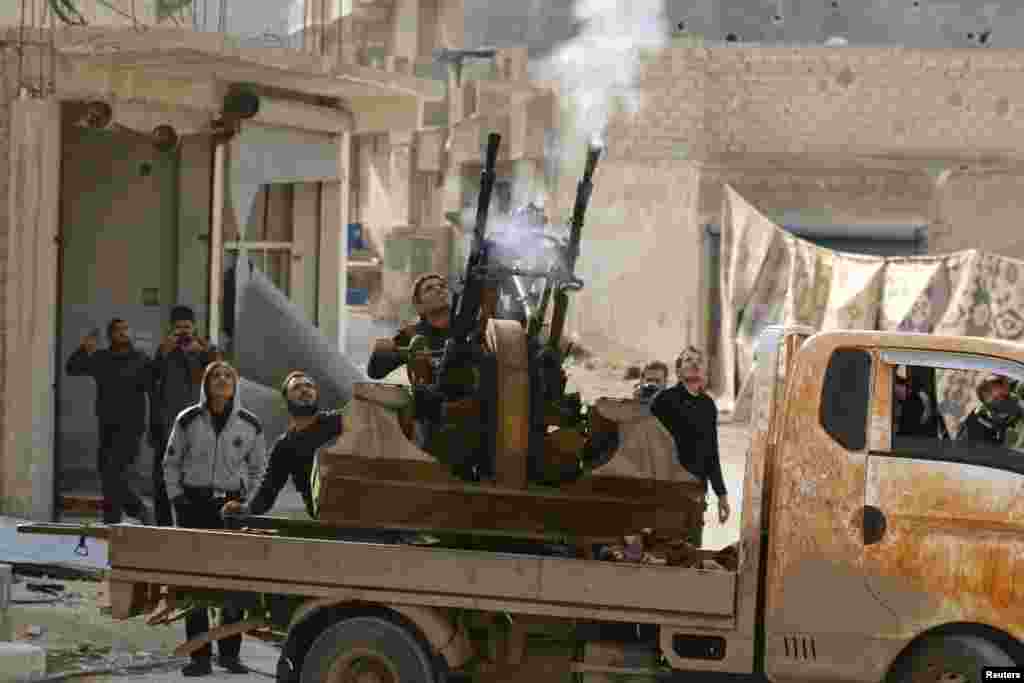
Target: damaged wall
{"points": [[7, 93], [833, 137], [824, 196], [640, 260], [892, 102], [980, 210]]}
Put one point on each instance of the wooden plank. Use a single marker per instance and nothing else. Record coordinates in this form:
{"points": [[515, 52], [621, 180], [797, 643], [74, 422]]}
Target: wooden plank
{"points": [[218, 633], [79, 504], [127, 599], [425, 570], [534, 610], [430, 502]]}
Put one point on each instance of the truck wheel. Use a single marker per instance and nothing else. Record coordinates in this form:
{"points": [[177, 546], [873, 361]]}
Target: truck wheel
{"points": [[949, 659], [367, 650]]}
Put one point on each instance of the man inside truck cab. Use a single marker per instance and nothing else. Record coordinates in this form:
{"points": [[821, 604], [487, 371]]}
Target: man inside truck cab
{"points": [[691, 416], [912, 410], [997, 413]]}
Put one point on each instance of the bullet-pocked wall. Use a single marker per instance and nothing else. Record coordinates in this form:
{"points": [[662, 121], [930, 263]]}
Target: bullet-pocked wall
{"points": [[835, 136], [640, 259], [7, 91]]}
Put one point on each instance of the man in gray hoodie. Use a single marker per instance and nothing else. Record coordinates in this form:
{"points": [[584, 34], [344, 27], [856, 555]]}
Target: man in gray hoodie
{"points": [[216, 453], [177, 372]]}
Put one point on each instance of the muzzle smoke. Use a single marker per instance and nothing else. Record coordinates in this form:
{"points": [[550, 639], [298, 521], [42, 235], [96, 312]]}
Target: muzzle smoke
{"points": [[598, 71]]}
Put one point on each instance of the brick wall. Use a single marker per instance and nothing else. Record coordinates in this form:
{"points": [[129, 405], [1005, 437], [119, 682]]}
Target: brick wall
{"points": [[640, 260], [822, 101], [840, 136], [8, 91], [980, 210], [825, 197]]}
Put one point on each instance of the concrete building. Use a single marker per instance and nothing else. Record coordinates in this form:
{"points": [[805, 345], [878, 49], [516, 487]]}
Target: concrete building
{"points": [[104, 212], [898, 150]]}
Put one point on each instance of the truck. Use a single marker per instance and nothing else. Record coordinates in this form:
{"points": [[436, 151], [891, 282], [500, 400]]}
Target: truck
{"points": [[862, 556]]}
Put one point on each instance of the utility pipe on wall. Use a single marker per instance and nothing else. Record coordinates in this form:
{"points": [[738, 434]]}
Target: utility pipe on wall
{"points": [[217, 241]]}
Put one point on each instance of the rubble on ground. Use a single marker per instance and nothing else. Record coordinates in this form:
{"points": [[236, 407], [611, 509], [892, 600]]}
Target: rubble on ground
{"points": [[648, 547]]}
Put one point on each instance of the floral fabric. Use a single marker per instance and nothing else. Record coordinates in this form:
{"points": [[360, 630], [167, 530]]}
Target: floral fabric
{"points": [[770, 276]]}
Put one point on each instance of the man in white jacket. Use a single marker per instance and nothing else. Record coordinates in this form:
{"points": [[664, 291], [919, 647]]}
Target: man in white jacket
{"points": [[216, 453]]}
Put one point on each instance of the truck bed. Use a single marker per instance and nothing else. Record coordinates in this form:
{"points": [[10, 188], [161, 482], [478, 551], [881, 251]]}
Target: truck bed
{"points": [[441, 577]]}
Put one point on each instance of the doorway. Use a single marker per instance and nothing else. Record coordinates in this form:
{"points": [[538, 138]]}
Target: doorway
{"points": [[118, 258]]}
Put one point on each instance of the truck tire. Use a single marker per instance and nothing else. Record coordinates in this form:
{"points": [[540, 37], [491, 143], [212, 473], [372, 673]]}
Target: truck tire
{"points": [[948, 659], [367, 645]]}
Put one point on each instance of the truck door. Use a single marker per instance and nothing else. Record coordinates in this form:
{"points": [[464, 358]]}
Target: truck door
{"points": [[820, 616], [943, 521]]}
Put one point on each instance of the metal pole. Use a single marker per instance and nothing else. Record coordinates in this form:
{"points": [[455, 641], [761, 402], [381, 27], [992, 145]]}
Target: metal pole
{"points": [[343, 218], [217, 241]]}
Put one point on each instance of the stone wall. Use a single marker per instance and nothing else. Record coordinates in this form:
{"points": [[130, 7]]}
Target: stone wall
{"points": [[980, 211], [8, 91], [640, 261], [891, 102], [830, 136]]}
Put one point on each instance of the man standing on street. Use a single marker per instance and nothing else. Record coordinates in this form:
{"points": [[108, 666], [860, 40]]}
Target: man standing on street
{"points": [[295, 451], [216, 454], [691, 416], [122, 377], [177, 372]]}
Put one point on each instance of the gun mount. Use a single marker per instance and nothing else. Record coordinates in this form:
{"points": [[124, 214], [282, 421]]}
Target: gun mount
{"points": [[489, 437], [511, 276]]}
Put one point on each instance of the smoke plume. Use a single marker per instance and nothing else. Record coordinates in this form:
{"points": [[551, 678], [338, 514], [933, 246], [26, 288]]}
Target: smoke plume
{"points": [[600, 66]]}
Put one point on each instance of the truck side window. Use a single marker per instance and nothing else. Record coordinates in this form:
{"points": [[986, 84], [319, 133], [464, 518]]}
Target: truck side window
{"points": [[845, 396]]}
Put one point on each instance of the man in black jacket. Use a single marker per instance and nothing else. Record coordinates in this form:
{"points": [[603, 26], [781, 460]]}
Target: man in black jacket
{"points": [[691, 416], [177, 374], [999, 411], [122, 375], [294, 452], [430, 297]]}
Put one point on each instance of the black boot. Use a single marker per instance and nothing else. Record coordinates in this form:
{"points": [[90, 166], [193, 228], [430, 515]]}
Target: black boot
{"points": [[233, 665], [198, 667]]}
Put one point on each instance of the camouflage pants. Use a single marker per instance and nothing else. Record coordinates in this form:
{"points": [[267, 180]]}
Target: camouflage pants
{"points": [[695, 536]]}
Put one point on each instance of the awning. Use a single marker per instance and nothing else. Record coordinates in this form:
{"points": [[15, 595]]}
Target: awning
{"points": [[197, 55]]}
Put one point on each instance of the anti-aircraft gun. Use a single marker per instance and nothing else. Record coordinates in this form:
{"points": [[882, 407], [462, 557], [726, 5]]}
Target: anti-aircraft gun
{"points": [[460, 400], [489, 439]]}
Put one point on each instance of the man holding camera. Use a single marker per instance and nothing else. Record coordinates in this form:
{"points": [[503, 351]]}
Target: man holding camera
{"points": [[653, 379], [121, 373], [177, 375]]}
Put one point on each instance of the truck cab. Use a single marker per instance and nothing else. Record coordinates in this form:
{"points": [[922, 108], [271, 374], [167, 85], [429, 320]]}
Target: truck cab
{"points": [[885, 555]]}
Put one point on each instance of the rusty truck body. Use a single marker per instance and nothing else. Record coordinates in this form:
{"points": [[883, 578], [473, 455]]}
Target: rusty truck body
{"points": [[861, 558]]}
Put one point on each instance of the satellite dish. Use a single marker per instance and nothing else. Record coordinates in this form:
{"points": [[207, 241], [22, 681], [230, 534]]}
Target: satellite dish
{"points": [[165, 138], [241, 103], [97, 115]]}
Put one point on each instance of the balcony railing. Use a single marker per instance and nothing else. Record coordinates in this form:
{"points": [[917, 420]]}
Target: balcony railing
{"points": [[296, 24]]}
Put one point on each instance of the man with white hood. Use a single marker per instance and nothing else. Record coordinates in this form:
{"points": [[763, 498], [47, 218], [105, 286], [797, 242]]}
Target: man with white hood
{"points": [[216, 453]]}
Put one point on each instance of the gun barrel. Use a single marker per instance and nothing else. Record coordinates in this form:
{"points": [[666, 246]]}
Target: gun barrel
{"points": [[593, 155], [583, 191], [464, 314], [486, 186]]}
